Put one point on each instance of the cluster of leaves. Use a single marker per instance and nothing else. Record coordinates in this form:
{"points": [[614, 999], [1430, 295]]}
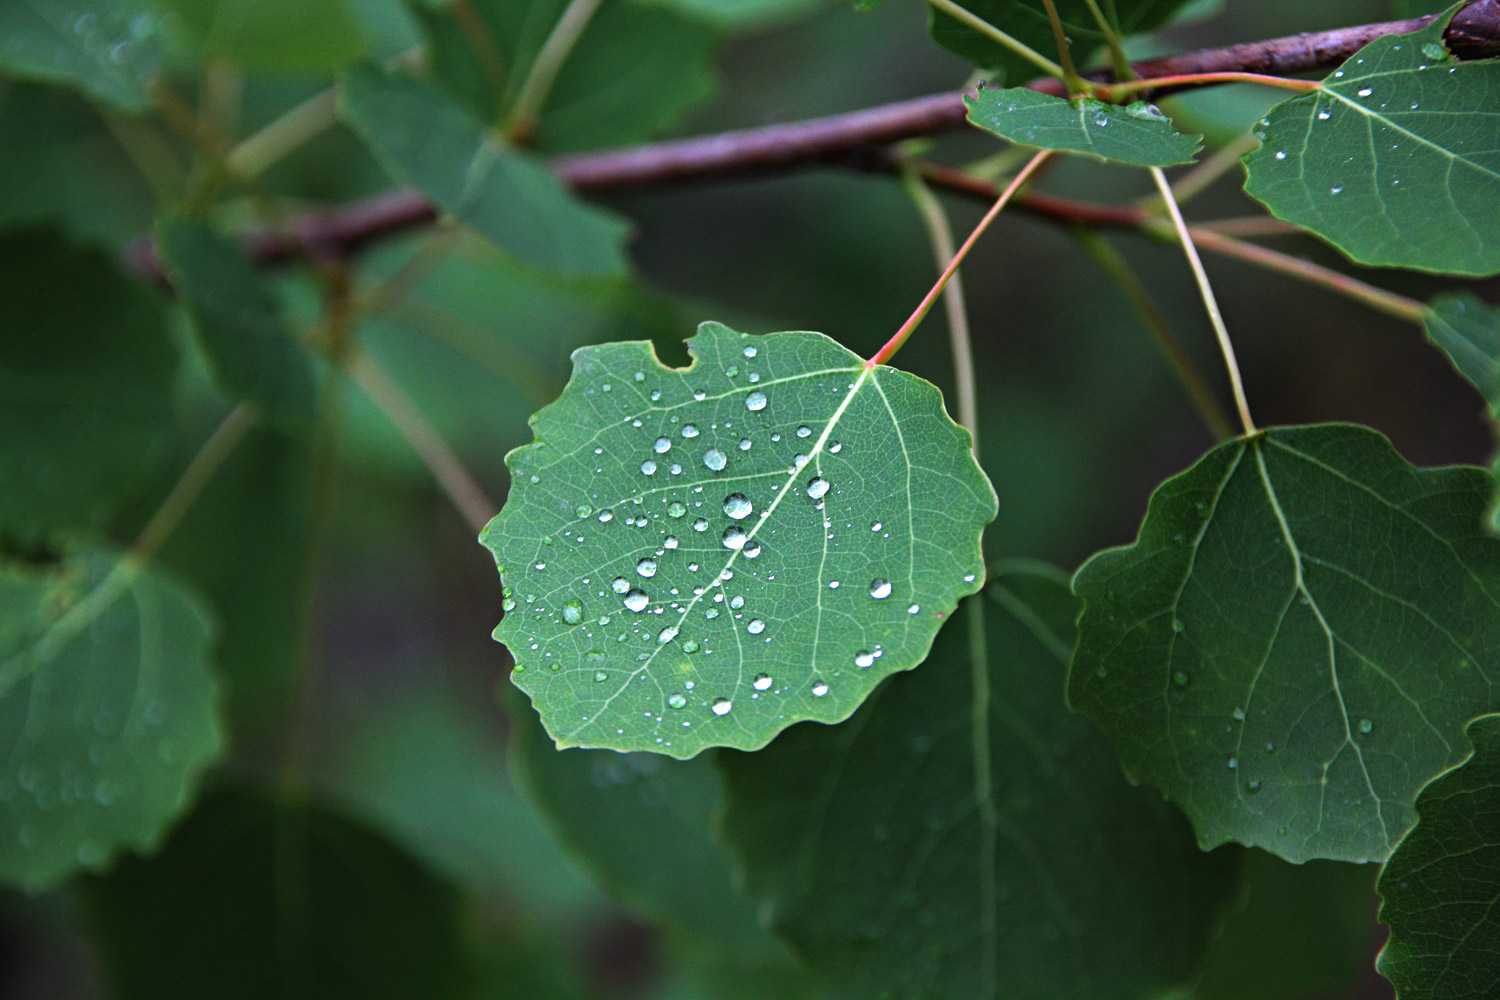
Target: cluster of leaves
{"points": [[719, 578]]}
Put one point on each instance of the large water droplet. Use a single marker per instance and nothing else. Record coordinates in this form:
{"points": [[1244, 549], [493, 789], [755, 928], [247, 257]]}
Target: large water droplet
{"points": [[738, 506], [734, 538], [646, 567], [721, 706], [689, 431], [662, 445], [715, 460], [762, 682], [637, 600], [648, 468], [619, 585], [755, 402], [864, 659], [817, 487], [819, 689], [667, 634], [755, 627]]}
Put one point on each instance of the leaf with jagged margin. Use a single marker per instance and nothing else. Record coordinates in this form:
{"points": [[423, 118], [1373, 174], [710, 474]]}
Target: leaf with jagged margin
{"points": [[1026, 21], [1439, 890], [1394, 160], [1293, 644], [704, 556], [238, 322], [109, 49], [1136, 134], [108, 710], [424, 138], [955, 830], [86, 373]]}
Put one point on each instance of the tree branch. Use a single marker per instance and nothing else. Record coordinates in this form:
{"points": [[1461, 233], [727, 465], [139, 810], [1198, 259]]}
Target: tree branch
{"points": [[844, 138]]}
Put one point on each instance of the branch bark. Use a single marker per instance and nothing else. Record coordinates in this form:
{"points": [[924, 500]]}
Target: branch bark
{"points": [[844, 139]]}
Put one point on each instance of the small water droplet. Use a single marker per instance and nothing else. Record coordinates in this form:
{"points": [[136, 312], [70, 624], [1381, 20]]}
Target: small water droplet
{"points": [[1238, 713], [606, 516], [913, 609], [762, 682], [750, 352], [734, 538], [819, 689], [676, 700], [620, 585], [804, 431], [864, 659], [637, 601], [1281, 154], [572, 612], [880, 589], [736, 602], [1365, 91], [817, 487], [1233, 763], [755, 402], [1324, 115], [755, 626], [648, 468], [1336, 189], [676, 509], [1180, 678], [646, 567], [1432, 50], [700, 524], [715, 460], [721, 706], [689, 431], [662, 445], [666, 635], [1366, 727], [691, 646], [1252, 786]]}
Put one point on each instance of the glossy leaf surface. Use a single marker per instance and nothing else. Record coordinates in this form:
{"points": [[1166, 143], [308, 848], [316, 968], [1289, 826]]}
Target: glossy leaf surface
{"points": [[1135, 134]]}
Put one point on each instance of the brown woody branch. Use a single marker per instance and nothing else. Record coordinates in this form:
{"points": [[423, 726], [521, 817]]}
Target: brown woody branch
{"points": [[850, 139]]}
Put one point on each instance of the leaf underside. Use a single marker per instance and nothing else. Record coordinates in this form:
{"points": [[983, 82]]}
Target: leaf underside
{"points": [[1136, 134], [1293, 644], [703, 556], [1439, 889], [1395, 160], [974, 815]]}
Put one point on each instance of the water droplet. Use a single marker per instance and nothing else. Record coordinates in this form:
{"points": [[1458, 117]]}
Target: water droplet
{"points": [[1233, 763], [700, 524], [1101, 118], [762, 682], [1366, 727], [620, 585], [648, 468], [755, 402], [669, 543], [1336, 189], [804, 431], [662, 445], [752, 550], [1180, 678], [817, 487], [1238, 713], [745, 444], [637, 600], [646, 567], [1433, 50], [1177, 625], [750, 352], [833, 585], [1252, 786], [666, 635], [606, 516], [913, 609], [600, 676], [819, 689], [715, 460], [864, 659], [1281, 154], [880, 589], [721, 706], [676, 509], [676, 700], [734, 538], [691, 646], [689, 431], [755, 626], [1365, 91], [572, 612], [876, 526]]}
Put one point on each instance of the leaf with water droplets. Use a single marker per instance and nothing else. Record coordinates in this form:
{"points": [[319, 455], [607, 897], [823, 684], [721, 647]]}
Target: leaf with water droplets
{"points": [[727, 591], [1292, 645], [109, 712], [1439, 889], [422, 137], [109, 49], [1395, 159], [965, 829], [1136, 134]]}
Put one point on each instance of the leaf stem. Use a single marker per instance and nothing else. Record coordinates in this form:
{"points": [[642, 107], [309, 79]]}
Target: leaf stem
{"points": [[900, 337], [987, 29], [940, 235], [522, 122], [1074, 82], [1210, 303], [254, 155], [1115, 91], [1117, 56], [190, 485], [466, 495], [1118, 269]]}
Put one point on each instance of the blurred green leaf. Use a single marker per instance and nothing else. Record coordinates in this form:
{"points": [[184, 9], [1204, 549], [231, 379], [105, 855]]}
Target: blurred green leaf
{"points": [[1293, 643], [964, 830], [732, 15], [1439, 889], [109, 710], [252, 352], [1136, 134], [510, 197], [635, 71], [272, 36], [255, 898], [1395, 160], [109, 49], [86, 372], [793, 558], [1468, 331]]}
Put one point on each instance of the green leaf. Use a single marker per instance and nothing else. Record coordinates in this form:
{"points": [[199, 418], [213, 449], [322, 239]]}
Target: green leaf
{"points": [[253, 898], [641, 824], [1438, 891], [634, 72], [109, 49], [108, 707], [1468, 331], [86, 373], [703, 556], [1026, 21], [1137, 134], [1292, 645], [965, 830], [732, 15], [423, 138], [273, 36], [1395, 160], [238, 322]]}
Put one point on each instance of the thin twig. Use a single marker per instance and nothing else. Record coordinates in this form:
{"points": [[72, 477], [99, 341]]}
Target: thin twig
{"points": [[1210, 303], [190, 485], [1064, 50], [1115, 91], [252, 157], [545, 67]]}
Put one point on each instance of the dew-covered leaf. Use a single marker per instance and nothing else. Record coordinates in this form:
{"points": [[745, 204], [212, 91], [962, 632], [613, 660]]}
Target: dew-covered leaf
{"points": [[955, 830], [251, 898], [426, 139], [275, 36], [1292, 645], [109, 49], [238, 322], [1439, 889], [86, 373], [108, 707], [703, 556], [1026, 20], [1468, 331], [1395, 159], [1136, 134]]}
